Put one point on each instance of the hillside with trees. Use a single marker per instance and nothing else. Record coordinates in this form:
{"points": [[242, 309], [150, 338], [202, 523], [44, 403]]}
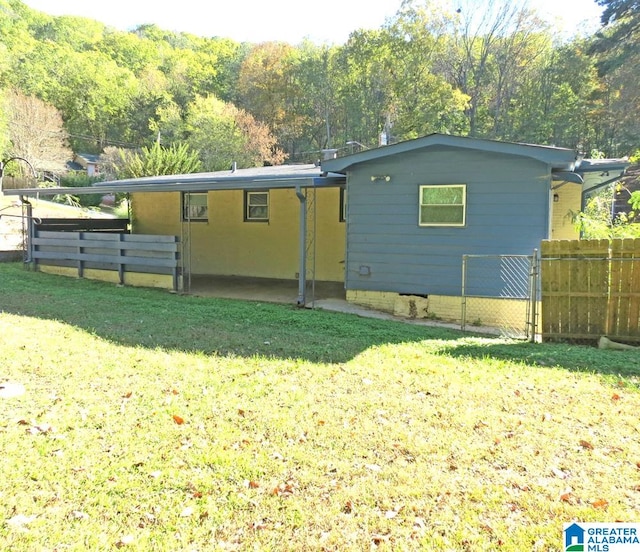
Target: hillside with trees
{"points": [[503, 75]]}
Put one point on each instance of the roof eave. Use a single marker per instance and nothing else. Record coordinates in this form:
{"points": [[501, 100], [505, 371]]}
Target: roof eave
{"points": [[556, 158], [153, 184]]}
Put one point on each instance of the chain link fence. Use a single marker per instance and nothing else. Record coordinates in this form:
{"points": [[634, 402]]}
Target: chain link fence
{"points": [[500, 291]]}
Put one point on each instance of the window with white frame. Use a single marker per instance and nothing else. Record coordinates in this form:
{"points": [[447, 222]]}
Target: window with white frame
{"points": [[256, 206], [195, 206], [443, 205]]}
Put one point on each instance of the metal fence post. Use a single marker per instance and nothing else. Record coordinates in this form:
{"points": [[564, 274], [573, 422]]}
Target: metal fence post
{"points": [[463, 314]]}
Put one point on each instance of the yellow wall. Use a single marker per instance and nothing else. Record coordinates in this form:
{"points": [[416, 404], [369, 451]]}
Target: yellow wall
{"points": [[227, 245], [569, 200], [137, 279], [482, 311]]}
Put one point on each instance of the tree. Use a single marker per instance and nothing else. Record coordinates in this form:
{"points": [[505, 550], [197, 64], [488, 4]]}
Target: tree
{"points": [[492, 52], [222, 134], [617, 49], [363, 86], [315, 102], [36, 132], [595, 222], [423, 101], [268, 89]]}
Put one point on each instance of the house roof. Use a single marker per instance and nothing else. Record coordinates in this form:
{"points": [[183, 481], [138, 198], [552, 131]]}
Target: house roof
{"points": [[565, 164], [90, 158], [558, 158], [598, 173], [281, 176]]}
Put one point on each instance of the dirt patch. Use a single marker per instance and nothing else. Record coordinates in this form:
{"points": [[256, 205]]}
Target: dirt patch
{"points": [[11, 238]]}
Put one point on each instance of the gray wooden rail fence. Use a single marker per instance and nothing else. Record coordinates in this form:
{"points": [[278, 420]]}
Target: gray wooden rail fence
{"points": [[113, 251]]}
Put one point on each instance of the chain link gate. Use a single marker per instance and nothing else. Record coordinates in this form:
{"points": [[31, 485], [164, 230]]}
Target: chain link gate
{"points": [[501, 291]]}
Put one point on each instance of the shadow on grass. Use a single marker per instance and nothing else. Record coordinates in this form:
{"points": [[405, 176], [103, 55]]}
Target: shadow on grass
{"points": [[157, 319], [577, 358]]}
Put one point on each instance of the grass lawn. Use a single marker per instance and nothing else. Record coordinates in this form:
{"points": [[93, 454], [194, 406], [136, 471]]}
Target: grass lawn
{"points": [[152, 421]]}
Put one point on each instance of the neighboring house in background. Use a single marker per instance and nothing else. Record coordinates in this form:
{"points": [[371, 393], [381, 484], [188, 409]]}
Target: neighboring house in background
{"points": [[88, 162], [628, 184], [388, 222]]}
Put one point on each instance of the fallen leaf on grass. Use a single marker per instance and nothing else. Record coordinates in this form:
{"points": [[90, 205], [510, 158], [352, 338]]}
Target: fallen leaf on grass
{"points": [[559, 473], [377, 540], [178, 420], [419, 523], [42, 428], [600, 503], [250, 484], [390, 514], [283, 489], [9, 390], [586, 444], [259, 525], [125, 541], [20, 520], [615, 397]]}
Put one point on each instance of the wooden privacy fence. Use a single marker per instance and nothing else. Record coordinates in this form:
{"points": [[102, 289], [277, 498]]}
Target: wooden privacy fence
{"points": [[590, 288], [83, 225], [121, 252]]}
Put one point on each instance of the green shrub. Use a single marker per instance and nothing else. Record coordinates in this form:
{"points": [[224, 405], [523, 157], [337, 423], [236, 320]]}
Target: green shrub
{"points": [[82, 180]]}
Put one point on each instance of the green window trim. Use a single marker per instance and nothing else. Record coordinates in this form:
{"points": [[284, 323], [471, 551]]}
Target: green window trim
{"points": [[443, 205], [256, 206], [195, 206]]}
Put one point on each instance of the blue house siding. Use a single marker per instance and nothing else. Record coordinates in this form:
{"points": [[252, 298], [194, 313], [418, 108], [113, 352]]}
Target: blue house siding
{"points": [[507, 213]]}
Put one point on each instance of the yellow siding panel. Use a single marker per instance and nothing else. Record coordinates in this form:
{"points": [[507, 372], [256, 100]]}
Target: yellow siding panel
{"points": [[226, 245], [569, 201], [137, 279]]}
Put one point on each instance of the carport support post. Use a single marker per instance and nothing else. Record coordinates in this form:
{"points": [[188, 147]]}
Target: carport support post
{"points": [[302, 247], [28, 228]]}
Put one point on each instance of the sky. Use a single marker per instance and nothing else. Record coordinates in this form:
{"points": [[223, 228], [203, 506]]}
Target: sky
{"points": [[322, 21]]}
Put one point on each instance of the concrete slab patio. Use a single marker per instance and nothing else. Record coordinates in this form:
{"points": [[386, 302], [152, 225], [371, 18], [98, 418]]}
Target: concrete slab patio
{"points": [[330, 296], [263, 289]]}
